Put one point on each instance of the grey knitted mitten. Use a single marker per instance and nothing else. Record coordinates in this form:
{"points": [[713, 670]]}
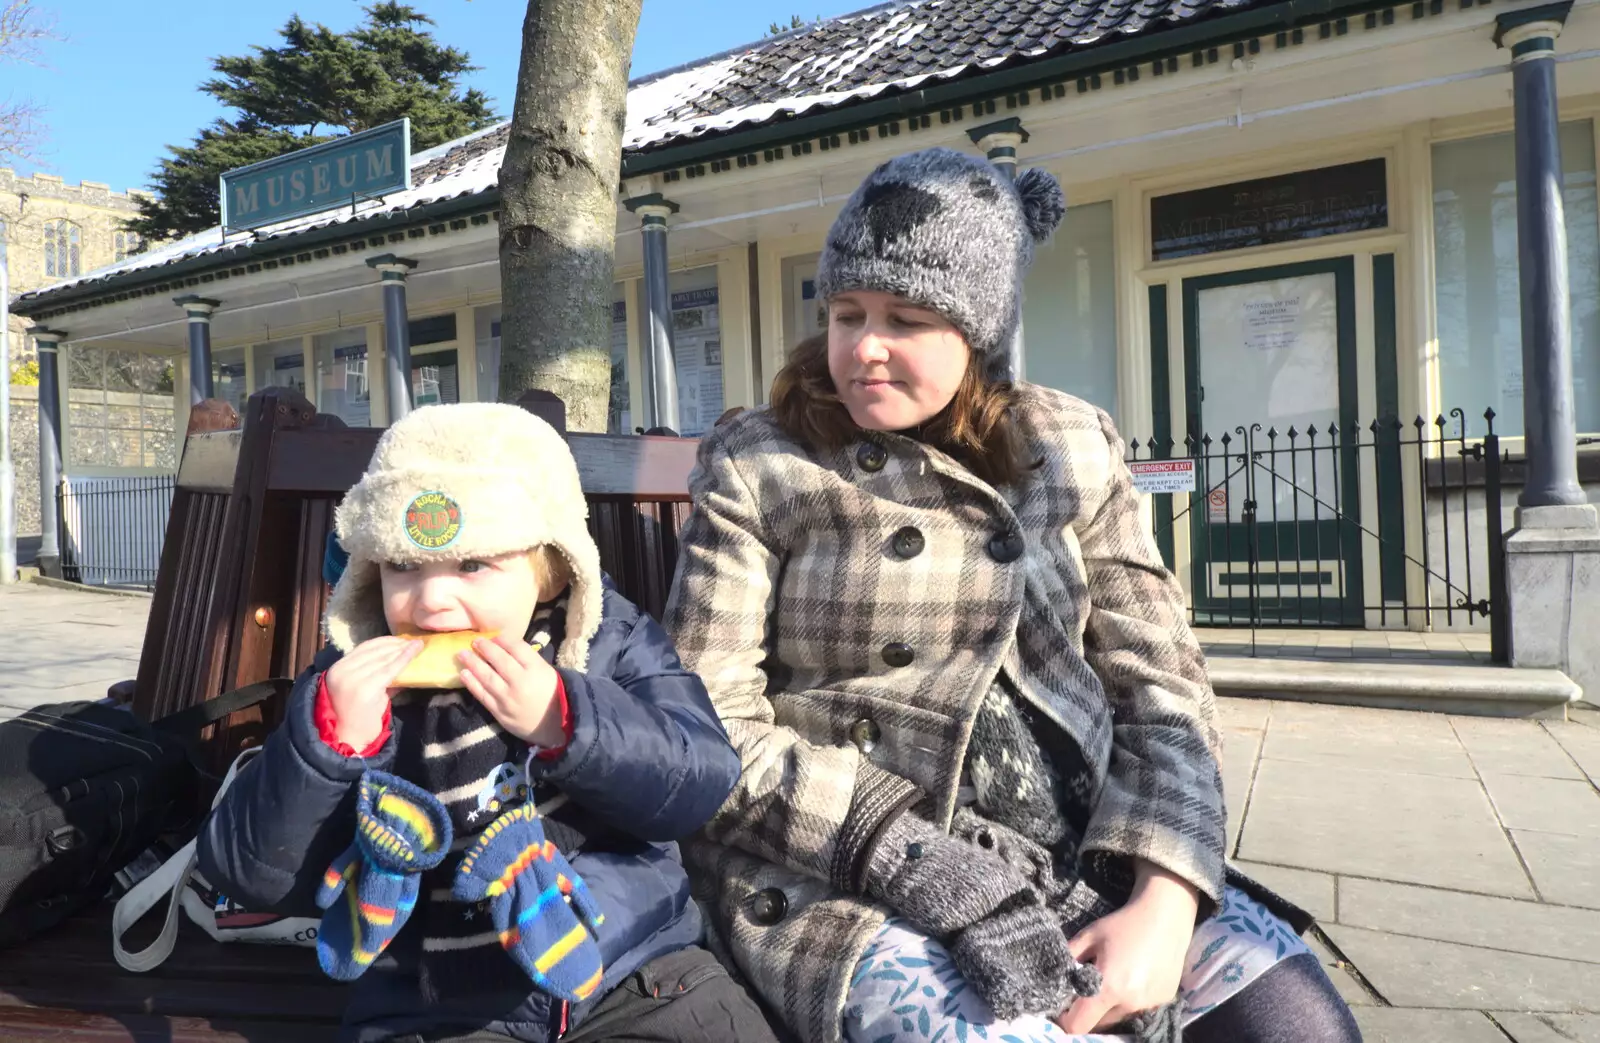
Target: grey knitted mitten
{"points": [[1006, 943], [1161, 1025]]}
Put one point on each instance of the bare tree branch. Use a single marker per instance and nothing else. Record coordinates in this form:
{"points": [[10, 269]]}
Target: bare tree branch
{"points": [[24, 28]]}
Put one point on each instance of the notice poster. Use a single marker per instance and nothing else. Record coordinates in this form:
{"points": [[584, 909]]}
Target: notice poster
{"points": [[621, 419], [697, 350], [1272, 324]]}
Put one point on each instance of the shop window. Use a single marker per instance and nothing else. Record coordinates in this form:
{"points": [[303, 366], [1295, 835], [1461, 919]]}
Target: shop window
{"points": [[1070, 309], [343, 382], [1476, 287], [228, 378], [620, 420], [697, 348], [282, 363], [119, 409], [62, 254]]}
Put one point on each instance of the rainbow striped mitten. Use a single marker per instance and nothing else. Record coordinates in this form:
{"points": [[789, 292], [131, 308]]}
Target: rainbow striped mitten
{"points": [[401, 831], [540, 906]]}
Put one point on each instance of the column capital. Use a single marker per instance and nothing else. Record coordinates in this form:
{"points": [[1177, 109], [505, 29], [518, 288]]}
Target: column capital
{"points": [[47, 338], [1531, 33], [391, 266], [653, 209], [198, 308], [1000, 139]]}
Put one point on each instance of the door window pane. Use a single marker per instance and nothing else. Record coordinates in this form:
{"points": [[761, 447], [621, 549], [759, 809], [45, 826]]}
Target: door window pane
{"points": [[1476, 282], [620, 419], [1070, 309], [282, 363], [343, 386], [228, 378], [486, 321], [804, 313], [434, 379]]}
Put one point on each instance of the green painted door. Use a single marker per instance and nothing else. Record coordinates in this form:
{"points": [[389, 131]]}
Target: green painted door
{"points": [[1270, 356]]}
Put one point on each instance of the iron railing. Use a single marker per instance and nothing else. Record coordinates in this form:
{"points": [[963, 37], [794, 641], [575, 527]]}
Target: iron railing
{"points": [[1280, 530], [111, 529]]}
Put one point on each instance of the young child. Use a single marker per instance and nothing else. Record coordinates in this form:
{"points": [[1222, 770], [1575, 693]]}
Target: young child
{"points": [[497, 858]]}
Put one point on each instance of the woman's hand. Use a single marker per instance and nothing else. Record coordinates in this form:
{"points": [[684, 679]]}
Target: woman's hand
{"points": [[516, 685], [1140, 951], [361, 684]]}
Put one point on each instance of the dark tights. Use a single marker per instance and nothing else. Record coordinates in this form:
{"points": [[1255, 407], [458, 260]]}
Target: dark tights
{"points": [[1294, 1002]]}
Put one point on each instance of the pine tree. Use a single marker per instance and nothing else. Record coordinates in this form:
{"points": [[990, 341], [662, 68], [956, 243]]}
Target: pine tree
{"points": [[318, 85]]}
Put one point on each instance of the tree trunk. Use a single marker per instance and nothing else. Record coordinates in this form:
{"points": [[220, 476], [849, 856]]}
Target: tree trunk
{"points": [[558, 203]]}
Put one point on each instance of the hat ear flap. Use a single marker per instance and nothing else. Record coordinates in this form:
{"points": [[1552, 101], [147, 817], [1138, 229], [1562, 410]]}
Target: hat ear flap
{"points": [[1043, 202]]}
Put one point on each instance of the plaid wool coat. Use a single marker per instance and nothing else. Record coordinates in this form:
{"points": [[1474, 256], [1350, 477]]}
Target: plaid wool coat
{"points": [[848, 611]]}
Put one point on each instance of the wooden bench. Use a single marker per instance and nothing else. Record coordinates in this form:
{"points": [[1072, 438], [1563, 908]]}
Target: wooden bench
{"points": [[239, 599]]}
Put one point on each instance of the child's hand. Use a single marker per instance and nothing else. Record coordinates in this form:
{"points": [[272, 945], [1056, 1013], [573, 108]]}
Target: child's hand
{"points": [[361, 684], [516, 685]]}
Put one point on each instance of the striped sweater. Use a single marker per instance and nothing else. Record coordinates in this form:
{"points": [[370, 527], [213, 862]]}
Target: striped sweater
{"points": [[448, 744]]}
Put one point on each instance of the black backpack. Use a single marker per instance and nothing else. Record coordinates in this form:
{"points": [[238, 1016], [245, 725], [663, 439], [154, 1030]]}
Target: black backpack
{"points": [[85, 787]]}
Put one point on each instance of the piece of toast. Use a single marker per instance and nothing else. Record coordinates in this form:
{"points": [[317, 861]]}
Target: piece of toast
{"points": [[436, 666]]}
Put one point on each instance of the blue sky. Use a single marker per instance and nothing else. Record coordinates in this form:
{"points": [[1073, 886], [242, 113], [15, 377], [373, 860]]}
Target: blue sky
{"points": [[121, 85]]}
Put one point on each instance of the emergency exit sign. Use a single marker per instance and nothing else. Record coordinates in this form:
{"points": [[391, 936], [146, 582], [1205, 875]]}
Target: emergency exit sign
{"points": [[1163, 476]]}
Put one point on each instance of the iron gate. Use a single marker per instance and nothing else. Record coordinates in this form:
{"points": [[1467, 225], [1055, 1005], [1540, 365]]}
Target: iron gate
{"points": [[1278, 535]]}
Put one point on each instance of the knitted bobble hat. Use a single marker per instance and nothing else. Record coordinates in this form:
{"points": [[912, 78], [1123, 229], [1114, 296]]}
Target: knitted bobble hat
{"points": [[454, 482], [949, 231]]}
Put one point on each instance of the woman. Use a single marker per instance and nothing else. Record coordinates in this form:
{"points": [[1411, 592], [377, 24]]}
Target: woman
{"points": [[980, 788]]}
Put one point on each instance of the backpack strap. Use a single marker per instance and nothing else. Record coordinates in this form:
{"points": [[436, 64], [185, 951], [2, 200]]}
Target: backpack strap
{"points": [[190, 722]]}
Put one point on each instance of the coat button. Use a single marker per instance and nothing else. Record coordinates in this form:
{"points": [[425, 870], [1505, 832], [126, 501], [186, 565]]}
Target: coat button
{"points": [[908, 542], [864, 733], [769, 906], [872, 457], [898, 654], [1006, 547]]}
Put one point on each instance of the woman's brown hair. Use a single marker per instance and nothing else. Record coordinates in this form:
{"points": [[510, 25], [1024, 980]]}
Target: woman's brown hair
{"points": [[977, 428]]}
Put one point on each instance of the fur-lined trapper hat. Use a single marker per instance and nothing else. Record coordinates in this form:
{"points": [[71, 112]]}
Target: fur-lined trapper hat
{"points": [[474, 480]]}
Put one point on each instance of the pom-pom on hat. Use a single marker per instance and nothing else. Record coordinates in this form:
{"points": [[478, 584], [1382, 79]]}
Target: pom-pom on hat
{"points": [[949, 231], [474, 480]]}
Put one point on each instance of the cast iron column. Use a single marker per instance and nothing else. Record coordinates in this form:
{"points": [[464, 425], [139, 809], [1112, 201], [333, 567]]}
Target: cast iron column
{"points": [[1000, 142], [1549, 418], [661, 395], [396, 333], [199, 311], [48, 343]]}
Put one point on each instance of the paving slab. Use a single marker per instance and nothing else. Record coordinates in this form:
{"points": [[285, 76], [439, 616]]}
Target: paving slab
{"points": [[1416, 972], [1244, 714], [1313, 892], [1420, 829], [1550, 1028], [1545, 805], [1352, 737], [1390, 1025], [1506, 747], [1452, 916], [1566, 869], [1581, 742], [1239, 750], [1348, 987]]}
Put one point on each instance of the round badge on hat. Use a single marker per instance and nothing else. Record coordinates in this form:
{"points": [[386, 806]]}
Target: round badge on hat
{"points": [[433, 520]]}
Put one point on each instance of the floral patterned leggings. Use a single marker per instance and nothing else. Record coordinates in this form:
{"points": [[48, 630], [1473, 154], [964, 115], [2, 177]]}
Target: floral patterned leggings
{"points": [[906, 989]]}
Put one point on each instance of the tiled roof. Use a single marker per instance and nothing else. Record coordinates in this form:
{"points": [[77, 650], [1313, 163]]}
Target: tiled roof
{"points": [[892, 47]]}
